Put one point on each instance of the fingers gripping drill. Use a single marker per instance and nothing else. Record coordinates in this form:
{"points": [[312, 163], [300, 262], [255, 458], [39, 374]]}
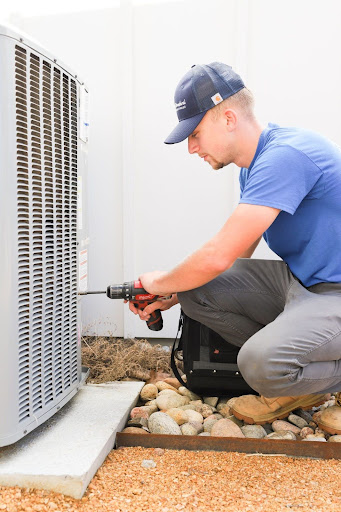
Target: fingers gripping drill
{"points": [[134, 292]]}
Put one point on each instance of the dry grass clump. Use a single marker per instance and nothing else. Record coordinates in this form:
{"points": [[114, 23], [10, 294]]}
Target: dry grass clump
{"points": [[112, 359]]}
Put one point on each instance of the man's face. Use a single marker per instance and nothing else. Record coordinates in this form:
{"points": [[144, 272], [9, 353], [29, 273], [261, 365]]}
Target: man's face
{"points": [[212, 141]]}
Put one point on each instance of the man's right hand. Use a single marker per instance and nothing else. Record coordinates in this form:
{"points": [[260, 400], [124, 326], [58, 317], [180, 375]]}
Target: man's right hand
{"points": [[163, 305]]}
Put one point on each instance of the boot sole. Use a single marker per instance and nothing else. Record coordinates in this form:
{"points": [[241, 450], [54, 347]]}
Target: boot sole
{"points": [[281, 413], [330, 430]]}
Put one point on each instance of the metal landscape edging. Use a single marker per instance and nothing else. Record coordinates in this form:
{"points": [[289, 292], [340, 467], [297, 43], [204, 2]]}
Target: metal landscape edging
{"points": [[311, 449]]}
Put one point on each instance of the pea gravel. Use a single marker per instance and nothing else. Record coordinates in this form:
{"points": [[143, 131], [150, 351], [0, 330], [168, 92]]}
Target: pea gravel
{"points": [[194, 481]]}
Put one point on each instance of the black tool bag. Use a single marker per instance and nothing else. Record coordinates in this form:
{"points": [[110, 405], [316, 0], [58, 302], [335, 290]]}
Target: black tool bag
{"points": [[210, 362]]}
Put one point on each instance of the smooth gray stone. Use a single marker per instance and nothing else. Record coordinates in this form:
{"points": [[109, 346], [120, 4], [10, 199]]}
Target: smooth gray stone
{"points": [[162, 423], [282, 434], [297, 420], [253, 431], [304, 414]]}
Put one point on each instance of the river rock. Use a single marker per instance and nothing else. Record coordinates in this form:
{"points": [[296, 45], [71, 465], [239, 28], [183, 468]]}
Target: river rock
{"points": [[186, 392], [150, 403], [134, 430], [162, 385], [173, 382], [178, 415], [204, 434], [192, 428], [205, 410], [194, 416], [168, 392], [230, 402], [226, 428], [148, 392], [313, 437], [211, 400], [304, 414], [152, 406], [328, 403], [217, 415], [319, 432], [225, 411], [221, 403], [208, 423], [187, 407], [196, 403], [278, 425], [253, 431], [282, 434], [162, 423], [306, 431], [335, 439], [297, 420], [165, 402], [138, 422], [317, 416], [140, 412]]}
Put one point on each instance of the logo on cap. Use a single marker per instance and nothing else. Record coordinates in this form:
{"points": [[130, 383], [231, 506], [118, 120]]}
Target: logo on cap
{"points": [[216, 98], [181, 105]]}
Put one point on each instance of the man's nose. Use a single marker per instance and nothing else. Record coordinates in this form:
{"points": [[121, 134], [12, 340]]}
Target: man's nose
{"points": [[193, 146]]}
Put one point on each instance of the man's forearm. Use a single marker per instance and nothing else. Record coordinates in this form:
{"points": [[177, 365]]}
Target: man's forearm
{"points": [[198, 269], [240, 233]]}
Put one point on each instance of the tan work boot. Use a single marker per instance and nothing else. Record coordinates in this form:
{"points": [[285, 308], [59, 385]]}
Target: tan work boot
{"points": [[330, 419], [260, 410]]}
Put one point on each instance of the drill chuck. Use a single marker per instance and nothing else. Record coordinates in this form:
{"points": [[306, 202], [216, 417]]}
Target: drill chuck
{"points": [[117, 291]]}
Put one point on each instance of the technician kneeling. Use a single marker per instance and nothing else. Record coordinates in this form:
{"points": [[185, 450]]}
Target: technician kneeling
{"points": [[286, 315]]}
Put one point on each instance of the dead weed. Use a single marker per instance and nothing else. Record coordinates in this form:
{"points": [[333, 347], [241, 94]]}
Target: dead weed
{"points": [[112, 359]]}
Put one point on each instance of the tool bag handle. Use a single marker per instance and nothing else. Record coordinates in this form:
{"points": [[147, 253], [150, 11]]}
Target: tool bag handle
{"points": [[177, 346]]}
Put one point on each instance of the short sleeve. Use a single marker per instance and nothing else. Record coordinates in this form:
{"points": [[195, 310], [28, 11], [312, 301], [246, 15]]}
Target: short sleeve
{"points": [[281, 177]]}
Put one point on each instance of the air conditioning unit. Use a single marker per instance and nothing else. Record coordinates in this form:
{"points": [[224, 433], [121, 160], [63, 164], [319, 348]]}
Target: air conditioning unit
{"points": [[43, 235]]}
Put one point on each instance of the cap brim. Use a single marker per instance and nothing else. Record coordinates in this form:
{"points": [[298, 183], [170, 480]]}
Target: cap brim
{"points": [[184, 128]]}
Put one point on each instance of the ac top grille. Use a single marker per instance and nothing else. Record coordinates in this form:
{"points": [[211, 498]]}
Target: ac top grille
{"points": [[46, 142]]}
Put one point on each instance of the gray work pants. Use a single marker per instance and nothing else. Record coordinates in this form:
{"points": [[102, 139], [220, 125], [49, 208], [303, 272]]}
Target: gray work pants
{"points": [[290, 335]]}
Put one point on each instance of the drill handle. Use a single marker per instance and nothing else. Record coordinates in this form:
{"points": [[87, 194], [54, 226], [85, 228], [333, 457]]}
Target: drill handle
{"points": [[155, 322]]}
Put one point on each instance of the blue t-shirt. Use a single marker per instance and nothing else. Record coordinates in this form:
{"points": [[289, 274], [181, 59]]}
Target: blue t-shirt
{"points": [[299, 172]]}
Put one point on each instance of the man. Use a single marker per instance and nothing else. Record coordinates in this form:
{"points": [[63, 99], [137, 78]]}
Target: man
{"points": [[285, 315]]}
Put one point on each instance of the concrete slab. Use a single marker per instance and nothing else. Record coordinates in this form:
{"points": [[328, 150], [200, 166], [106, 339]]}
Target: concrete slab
{"points": [[64, 453]]}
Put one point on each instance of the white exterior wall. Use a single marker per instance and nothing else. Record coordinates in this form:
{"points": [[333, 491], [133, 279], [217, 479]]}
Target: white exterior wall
{"points": [[151, 204]]}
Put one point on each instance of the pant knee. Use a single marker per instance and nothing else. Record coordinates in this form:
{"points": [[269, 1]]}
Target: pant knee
{"points": [[189, 302], [261, 371]]}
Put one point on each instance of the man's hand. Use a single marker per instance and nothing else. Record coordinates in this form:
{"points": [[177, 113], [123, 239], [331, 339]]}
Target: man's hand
{"points": [[150, 282], [163, 305]]}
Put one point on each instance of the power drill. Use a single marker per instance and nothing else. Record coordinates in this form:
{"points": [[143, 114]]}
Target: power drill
{"points": [[133, 291]]}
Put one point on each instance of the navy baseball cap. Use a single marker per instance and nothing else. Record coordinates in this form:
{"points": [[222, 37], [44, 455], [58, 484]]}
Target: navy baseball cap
{"points": [[203, 87]]}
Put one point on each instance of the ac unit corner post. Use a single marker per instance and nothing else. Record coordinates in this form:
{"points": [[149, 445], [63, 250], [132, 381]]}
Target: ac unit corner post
{"points": [[43, 234]]}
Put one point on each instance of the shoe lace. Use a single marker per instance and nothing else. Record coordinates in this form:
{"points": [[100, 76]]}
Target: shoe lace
{"points": [[267, 401]]}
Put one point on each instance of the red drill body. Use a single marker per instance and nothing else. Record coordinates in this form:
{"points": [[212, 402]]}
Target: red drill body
{"points": [[133, 291]]}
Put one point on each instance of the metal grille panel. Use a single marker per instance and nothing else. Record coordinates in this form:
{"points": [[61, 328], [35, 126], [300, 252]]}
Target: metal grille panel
{"points": [[46, 141]]}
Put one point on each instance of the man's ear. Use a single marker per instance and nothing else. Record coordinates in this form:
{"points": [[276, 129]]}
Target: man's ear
{"points": [[230, 117]]}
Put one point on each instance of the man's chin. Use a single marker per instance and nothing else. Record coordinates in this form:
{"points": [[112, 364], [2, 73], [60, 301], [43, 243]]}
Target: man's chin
{"points": [[217, 165]]}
